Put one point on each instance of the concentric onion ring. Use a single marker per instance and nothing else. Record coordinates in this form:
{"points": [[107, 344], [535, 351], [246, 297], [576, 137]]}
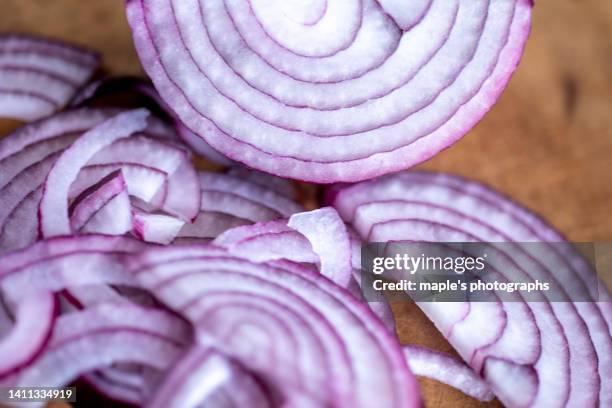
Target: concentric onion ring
{"points": [[325, 347], [394, 84], [294, 329], [556, 353], [318, 238], [39, 76], [155, 167]]}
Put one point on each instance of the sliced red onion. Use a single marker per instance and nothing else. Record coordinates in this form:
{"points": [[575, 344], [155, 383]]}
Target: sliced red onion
{"points": [[34, 319], [102, 336], [28, 152], [557, 353], [229, 201], [53, 205], [301, 334], [16, 192], [364, 89], [210, 225], [327, 234], [405, 14], [182, 197], [275, 205], [33, 158], [448, 370], [80, 297], [157, 228], [141, 181], [115, 218], [278, 240], [21, 229], [381, 308], [316, 237], [57, 263], [268, 241], [200, 146], [116, 88], [161, 174], [128, 374], [198, 376], [103, 209], [233, 204], [280, 185], [181, 194], [39, 76], [71, 122]]}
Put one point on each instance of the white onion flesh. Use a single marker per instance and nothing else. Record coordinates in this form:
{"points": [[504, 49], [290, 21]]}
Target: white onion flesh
{"points": [[556, 352], [370, 99], [39, 77]]}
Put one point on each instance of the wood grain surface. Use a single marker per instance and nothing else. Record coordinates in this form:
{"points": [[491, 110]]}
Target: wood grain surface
{"points": [[547, 143]]}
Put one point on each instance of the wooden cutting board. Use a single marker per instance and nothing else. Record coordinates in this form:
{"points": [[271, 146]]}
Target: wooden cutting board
{"points": [[547, 143]]}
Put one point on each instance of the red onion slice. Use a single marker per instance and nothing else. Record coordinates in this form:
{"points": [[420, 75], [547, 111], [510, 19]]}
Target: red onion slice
{"points": [[34, 319], [141, 181], [39, 76], [183, 197], [210, 225], [204, 377], [405, 14], [276, 240], [101, 336], [71, 122], [53, 205], [21, 226], [238, 182], [157, 228], [115, 218], [413, 94], [32, 157], [200, 146], [55, 264], [160, 174], [448, 370], [334, 29], [280, 185], [236, 199], [281, 310], [109, 196], [233, 204], [327, 234], [545, 348], [320, 238]]}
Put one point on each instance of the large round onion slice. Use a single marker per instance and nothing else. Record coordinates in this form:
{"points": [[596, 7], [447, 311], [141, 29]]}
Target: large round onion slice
{"points": [[329, 91], [273, 333], [555, 353], [299, 333], [39, 76]]}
